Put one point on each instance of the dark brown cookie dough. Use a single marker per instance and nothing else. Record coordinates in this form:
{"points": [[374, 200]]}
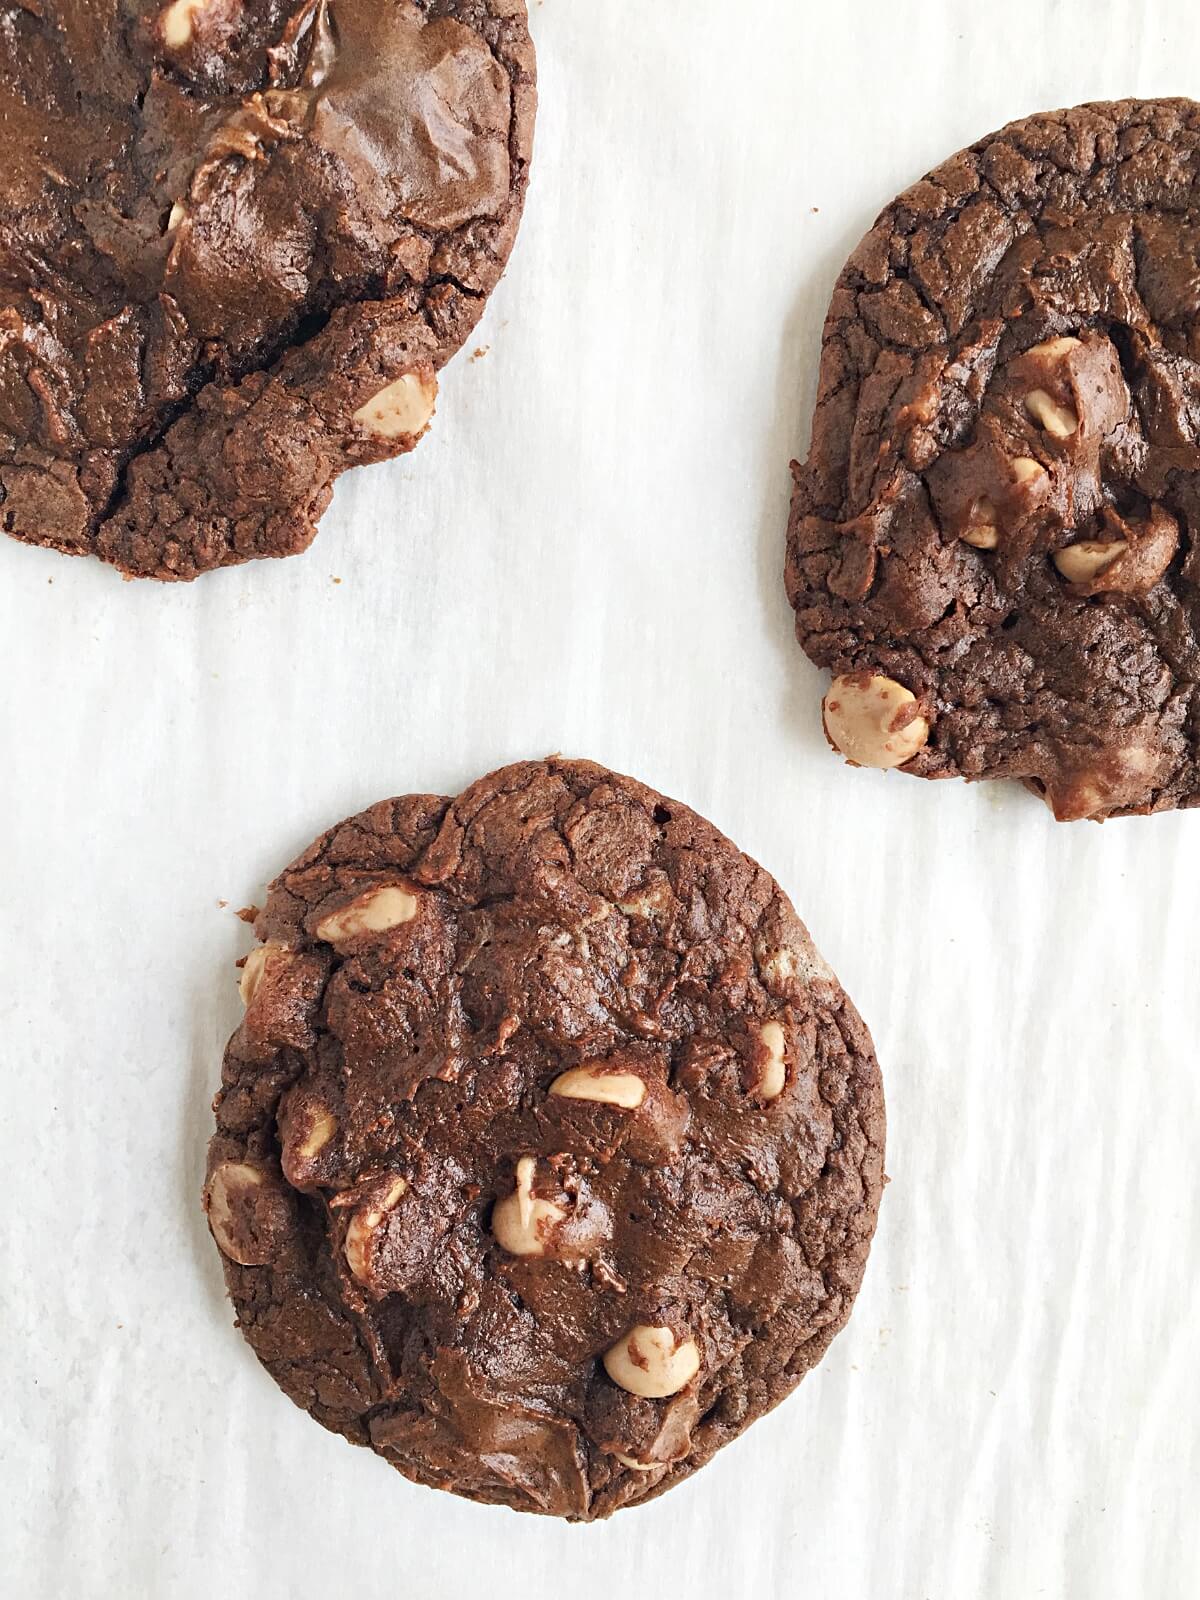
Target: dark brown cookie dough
{"points": [[993, 540], [238, 239], [549, 1151]]}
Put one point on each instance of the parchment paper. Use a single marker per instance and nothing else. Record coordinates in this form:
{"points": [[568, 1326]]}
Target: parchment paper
{"points": [[585, 556]]}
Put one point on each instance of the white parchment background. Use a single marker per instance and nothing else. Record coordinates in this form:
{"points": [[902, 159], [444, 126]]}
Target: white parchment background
{"points": [[585, 556]]}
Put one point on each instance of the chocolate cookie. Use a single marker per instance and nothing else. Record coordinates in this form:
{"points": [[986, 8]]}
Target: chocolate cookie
{"points": [[993, 541], [238, 239], [548, 1151]]}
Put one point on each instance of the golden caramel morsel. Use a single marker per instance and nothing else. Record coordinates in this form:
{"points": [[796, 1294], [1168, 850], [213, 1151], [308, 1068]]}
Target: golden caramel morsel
{"points": [[521, 1222], [403, 409], [652, 1363], [777, 966], [254, 969], [1055, 349], [635, 1465], [309, 1131], [874, 721], [603, 1087], [1059, 421], [982, 530], [177, 22], [230, 1188], [651, 902], [772, 1069], [377, 910], [1025, 469], [1132, 561], [1082, 562], [781, 964], [1111, 781], [365, 1224], [321, 1129], [986, 518]]}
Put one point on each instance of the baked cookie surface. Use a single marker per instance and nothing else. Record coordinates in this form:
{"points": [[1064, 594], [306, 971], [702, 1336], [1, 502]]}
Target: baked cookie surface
{"points": [[993, 541], [238, 239], [548, 1151]]}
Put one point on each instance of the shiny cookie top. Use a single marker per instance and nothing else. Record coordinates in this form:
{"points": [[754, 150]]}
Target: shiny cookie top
{"points": [[227, 223]]}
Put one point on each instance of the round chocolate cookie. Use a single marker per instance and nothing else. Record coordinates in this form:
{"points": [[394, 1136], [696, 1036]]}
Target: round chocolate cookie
{"points": [[238, 239], [993, 543], [548, 1151]]}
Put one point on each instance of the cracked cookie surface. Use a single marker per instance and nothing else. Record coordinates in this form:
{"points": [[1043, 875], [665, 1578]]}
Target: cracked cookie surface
{"points": [[548, 1150], [992, 543], [239, 239]]}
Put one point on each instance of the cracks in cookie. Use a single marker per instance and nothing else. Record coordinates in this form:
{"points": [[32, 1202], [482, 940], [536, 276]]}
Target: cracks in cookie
{"points": [[1165, 612], [487, 239], [309, 327], [382, 1348], [166, 419]]}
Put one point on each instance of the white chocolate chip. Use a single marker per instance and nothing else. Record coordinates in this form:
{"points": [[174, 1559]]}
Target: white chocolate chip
{"points": [[1060, 422], [306, 1133], [650, 1362], [520, 1222], [634, 1464], [1080, 563], [1124, 777], [981, 530], [365, 1224], [322, 1130], [649, 902], [777, 966], [874, 721], [322, 1125], [403, 409], [624, 1089], [640, 906], [773, 1075], [255, 968], [177, 22], [1025, 469], [1055, 349], [376, 911], [227, 1190], [176, 217]]}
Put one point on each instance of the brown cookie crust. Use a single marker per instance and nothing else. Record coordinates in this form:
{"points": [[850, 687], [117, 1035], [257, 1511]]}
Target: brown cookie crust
{"points": [[438, 1244], [999, 507], [229, 229]]}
